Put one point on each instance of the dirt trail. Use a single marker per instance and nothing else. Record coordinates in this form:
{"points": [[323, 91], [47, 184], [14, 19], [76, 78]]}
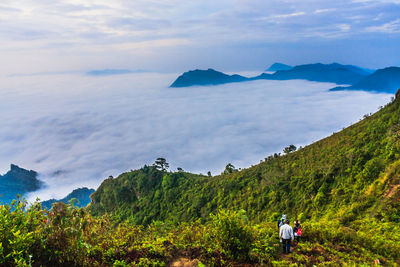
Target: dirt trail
{"points": [[185, 262]]}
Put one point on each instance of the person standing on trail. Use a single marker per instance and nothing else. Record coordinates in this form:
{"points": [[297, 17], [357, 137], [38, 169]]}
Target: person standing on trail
{"points": [[286, 234], [297, 230], [281, 221]]}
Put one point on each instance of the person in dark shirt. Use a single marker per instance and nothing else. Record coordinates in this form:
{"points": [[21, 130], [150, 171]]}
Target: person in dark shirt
{"points": [[297, 230], [281, 221]]}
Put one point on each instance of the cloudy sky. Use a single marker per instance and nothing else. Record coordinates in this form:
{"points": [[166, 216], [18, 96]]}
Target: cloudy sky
{"points": [[76, 129], [176, 35]]}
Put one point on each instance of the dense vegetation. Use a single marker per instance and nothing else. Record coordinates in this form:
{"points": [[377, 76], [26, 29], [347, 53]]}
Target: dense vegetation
{"points": [[69, 236], [345, 189]]}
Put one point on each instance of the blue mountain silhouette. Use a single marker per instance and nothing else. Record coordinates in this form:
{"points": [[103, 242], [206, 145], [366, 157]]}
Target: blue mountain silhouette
{"points": [[17, 181], [385, 80], [335, 73], [206, 77], [279, 66]]}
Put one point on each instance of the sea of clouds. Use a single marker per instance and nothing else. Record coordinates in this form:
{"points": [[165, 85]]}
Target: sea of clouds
{"points": [[76, 130]]}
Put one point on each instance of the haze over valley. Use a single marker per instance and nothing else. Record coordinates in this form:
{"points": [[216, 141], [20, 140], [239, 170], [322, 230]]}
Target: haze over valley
{"points": [[76, 130]]}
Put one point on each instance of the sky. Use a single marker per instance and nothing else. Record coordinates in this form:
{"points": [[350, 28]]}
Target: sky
{"points": [[178, 35]]}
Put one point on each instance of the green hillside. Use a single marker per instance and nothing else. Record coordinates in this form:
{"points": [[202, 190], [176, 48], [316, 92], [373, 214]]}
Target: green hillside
{"points": [[351, 174]]}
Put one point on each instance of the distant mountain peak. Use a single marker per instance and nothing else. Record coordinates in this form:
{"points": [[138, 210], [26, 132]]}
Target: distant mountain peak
{"points": [[16, 168], [81, 194], [279, 66], [18, 181], [205, 77]]}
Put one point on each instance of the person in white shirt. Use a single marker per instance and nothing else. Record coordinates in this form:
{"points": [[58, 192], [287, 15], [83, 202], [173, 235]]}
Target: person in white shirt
{"points": [[286, 234]]}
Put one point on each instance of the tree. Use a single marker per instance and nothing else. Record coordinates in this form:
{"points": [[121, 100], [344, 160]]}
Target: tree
{"points": [[289, 149], [209, 174], [161, 164], [229, 168], [179, 169]]}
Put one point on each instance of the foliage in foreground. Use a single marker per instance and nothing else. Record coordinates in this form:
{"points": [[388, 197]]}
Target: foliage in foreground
{"points": [[69, 236]]}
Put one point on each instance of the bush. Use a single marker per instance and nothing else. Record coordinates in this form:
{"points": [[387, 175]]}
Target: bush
{"points": [[19, 237], [233, 234]]}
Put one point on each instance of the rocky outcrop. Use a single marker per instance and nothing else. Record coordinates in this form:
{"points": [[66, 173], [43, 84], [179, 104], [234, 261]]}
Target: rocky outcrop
{"points": [[18, 181]]}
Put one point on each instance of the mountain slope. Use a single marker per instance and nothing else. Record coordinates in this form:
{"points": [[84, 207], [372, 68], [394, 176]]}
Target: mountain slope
{"points": [[350, 174], [81, 194], [17, 181], [384, 80], [205, 77]]}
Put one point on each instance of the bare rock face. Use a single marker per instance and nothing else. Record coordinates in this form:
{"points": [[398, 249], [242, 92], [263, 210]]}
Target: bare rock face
{"points": [[397, 95]]}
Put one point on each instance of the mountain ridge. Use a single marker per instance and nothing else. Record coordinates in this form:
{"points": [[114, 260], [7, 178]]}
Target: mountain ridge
{"points": [[318, 72], [335, 72], [110, 72], [385, 80]]}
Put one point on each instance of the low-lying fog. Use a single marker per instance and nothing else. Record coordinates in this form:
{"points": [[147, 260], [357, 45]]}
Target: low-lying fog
{"points": [[76, 130]]}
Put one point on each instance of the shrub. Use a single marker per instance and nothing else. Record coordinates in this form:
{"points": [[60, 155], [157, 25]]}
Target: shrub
{"points": [[19, 237], [233, 234]]}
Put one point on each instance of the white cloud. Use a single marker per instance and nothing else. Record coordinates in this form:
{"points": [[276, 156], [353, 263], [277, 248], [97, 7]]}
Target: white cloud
{"points": [[344, 27], [294, 14], [92, 127], [390, 27], [325, 10]]}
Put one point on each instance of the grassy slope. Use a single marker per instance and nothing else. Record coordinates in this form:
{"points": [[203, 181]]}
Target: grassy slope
{"points": [[345, 175]]}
